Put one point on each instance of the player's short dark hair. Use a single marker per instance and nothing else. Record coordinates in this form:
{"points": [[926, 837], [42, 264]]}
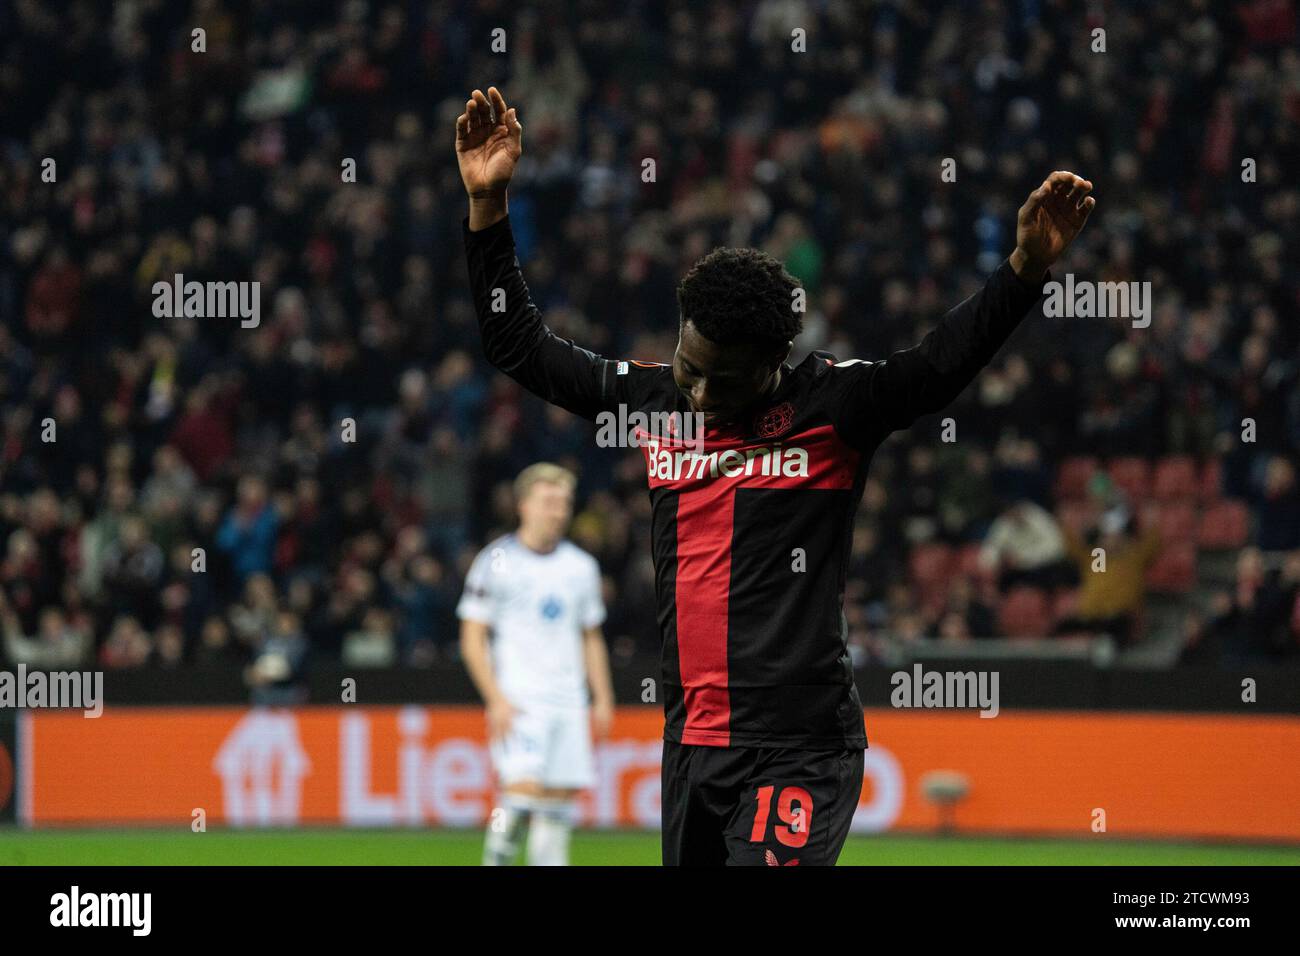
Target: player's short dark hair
{"points": [[735, 296]]}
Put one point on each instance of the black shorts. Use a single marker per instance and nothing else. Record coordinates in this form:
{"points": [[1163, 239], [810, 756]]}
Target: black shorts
{"points": [[756, 806]]}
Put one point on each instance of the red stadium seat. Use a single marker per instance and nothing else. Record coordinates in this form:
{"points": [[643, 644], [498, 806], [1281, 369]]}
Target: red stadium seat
{"points": [[932, 598], [968, 561], [1211, 481], [1148, 514], [1132, 476], [1224, 525], [932, 567], [1064, 603], [1174, 571], [1176, 521], [1073, 476], [931, 563], [1076, 514], [1176, 478], [1024, 613]]}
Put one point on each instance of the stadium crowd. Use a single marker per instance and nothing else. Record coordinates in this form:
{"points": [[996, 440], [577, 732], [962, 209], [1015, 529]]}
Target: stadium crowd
{"points": [[128, 440]]}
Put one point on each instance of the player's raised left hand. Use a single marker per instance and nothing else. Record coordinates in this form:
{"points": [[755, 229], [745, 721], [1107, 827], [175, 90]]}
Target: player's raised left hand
{"points": [[1049, 220]]}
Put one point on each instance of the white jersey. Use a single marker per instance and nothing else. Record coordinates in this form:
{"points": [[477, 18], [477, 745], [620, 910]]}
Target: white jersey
{"points": [[537, 606]]}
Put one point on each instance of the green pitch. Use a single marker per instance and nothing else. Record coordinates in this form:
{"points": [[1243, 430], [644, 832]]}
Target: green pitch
{"points": [[460, 847]]}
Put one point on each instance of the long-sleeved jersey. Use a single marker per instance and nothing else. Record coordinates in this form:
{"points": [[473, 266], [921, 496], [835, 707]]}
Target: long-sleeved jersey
{"points": [[751, 527]]}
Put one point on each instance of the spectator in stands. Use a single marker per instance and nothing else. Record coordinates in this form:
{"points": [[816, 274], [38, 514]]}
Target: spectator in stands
{"points": [[277, 677], [204, 434], [374, 643], [1279, 507], [964, 604], [128, 644], [169, 645], [343, 611], [255, 613], [1113, 583], [1025, 547], [1238, 617], [871, 567], [366, 306], [1271, 614], [907, 627], [919, 500], [967, 498], [1201, 643], [53, 302], [248, 533], [215, 645], [953, 628], [1121, 412], [171, 478], [132, 572], [1259, 385], [187, 598], [424, 602], [1019, 471], [20, 573], [903, 621], [57, 645]]}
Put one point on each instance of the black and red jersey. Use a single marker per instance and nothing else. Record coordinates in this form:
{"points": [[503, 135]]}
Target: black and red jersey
{"points": [[751, 528]]}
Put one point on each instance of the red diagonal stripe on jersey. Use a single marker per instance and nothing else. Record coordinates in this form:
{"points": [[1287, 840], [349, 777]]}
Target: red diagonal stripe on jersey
{"points": [[704, 528]]}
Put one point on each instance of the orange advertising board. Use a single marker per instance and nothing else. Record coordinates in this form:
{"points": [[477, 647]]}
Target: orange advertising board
{"points": [[1163, 775]]}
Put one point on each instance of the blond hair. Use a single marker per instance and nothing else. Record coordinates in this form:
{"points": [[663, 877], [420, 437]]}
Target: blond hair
{"points": [[543, 472]]}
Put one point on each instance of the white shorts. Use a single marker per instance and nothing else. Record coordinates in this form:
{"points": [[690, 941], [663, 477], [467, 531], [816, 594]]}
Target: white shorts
{"points": [[547, 745]]}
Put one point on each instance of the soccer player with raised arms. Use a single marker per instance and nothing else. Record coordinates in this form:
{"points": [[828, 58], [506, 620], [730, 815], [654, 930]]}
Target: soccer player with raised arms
{"points": [[751, 533]]}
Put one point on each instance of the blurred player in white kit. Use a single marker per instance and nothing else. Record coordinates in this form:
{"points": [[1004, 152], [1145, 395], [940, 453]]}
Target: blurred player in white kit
{"points": [[530, 637]]}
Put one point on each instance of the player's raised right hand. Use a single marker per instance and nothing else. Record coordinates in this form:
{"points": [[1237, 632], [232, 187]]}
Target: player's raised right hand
{"points": [[489, 142]]}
